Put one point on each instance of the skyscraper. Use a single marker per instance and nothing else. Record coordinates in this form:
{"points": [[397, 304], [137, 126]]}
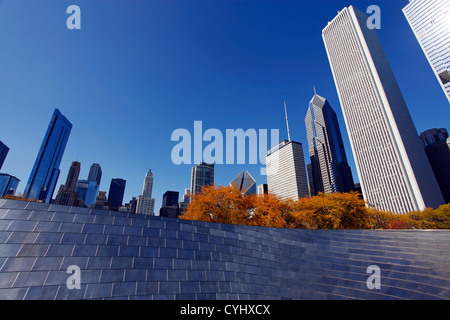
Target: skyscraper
{"points": [[202, 175], [3, 152], [45, 172], [88, 189], [169, 207], [145, 202], [286, 173], [116, 192], [67, 195], [437, 147], [393, 170], [430, 22], [95, 173], [245, 183], [329, 171], [87, 192]]}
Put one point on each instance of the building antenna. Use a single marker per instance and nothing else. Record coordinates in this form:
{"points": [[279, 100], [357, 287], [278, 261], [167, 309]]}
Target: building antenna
{"points": [[314, 89], [287, 122]]}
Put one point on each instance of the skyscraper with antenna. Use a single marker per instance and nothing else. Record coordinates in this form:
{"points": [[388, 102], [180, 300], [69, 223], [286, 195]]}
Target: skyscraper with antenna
{"points": [[286, 173]]}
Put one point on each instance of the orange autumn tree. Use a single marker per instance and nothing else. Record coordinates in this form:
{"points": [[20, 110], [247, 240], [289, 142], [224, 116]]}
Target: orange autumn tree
{"points": [[231, 206], [219, 204], [331, 211]]}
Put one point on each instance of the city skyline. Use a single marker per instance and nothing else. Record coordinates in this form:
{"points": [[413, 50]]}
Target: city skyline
{"points": [[254, 91]]}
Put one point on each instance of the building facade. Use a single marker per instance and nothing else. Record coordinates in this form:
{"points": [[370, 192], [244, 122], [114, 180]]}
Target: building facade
{"points": [[87, 191], [145, 202], [245, 183], [170, 207], [95, 173], [437, 147], [67, 194], [286, 173], [3, 153], [44, 175], [329, 171], [430, 22], [393, 169], [8, 184], [262, 189], [116, 192], [202, 175]]}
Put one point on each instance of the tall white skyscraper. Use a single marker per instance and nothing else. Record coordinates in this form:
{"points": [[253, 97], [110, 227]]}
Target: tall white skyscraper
{"points": [[145, 202], [430, 22], [394, 172], [286, 173]]}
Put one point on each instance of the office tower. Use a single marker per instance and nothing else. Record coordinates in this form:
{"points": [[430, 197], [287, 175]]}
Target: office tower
{"points": [[430, 22], [3, 152], [87, 191], [262, 189], [202, 176], [8, 184], [116, 192], [133, 205], [100, 201], [95, 173], [245, 183], [329, 171], [394, 172], [67, 195], [45, 172], [170, 199], [286, 173], [145, 202], [186, 196], [437, 148], [169, 207]]}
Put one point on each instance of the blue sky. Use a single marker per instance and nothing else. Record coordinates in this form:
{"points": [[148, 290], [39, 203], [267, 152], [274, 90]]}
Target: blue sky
{"points": [[138, 70]]}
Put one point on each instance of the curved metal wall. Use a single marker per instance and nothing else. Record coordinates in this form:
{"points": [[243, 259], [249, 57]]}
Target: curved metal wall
{"points": [[124, 256]]}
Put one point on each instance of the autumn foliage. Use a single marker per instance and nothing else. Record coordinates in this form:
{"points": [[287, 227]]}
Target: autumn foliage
{"points": [[325, 211]]}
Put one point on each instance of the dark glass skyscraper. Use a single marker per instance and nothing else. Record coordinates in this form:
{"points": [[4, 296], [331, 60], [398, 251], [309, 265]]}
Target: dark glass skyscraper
{"points": [[437, 147], [116, 192], [3, 152], [95, 173], [45, 172], [329, 171]]}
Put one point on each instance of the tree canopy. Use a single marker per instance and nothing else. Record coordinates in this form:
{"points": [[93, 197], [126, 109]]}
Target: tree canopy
{"points": [[227, 204]]}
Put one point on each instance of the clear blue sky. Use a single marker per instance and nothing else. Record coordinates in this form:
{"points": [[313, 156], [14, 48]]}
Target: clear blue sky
{"points": [[137, 70]]}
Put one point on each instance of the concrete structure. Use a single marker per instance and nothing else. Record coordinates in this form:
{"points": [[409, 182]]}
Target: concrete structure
{"points": [[429, 20], [286, 173], [393, 169], [263, 189], [127, 256], [45, 173], [67, 194], [329, 171], [145, 202]]}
